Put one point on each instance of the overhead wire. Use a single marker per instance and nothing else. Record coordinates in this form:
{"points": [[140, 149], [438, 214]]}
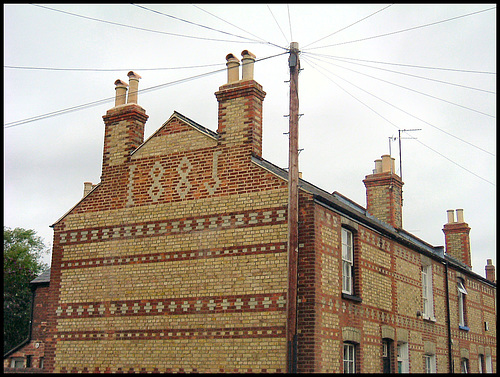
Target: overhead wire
{"points": [[354, 23], [289, 21], [403, 65], [404, 30], [191, 23], [419, 77], [13, 124], [140, 28], [108, 99], [394, 125], [419, 119], [416, 91], [110, 69], [276, 21], [229, 23]]}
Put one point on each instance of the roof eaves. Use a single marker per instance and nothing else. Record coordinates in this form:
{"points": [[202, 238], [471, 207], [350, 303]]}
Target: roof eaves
{"points": [[44, 277]]}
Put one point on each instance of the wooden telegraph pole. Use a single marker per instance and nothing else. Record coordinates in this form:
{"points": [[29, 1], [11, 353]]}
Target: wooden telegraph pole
{"points": [[293, 213]]}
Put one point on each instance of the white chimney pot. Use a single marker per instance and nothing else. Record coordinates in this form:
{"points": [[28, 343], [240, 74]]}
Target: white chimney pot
{"points": [[134, 86], [247, 62], [121, 92], [233, 68], [451, 216]]}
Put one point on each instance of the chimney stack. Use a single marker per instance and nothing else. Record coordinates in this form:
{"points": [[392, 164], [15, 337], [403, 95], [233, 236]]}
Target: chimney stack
{"points": [[490, 271], [124, 126], [121, 92], [457, 237], [134, 86], [240, 107], [87, 187], [384, 192]]}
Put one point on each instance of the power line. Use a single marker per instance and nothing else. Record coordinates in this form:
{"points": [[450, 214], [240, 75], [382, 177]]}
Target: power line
{"points": [[287, 42], [416, 76], [338, 31], [423, 121], [289, 21], [104, 100], [402, 65], [136, 27], [109, 69], [405, 30], [413, 90], [227, 22], [391, 123], [191, 23]]}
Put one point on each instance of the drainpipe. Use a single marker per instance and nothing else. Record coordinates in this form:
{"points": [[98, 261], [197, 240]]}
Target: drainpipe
{"points": [[450, 358]]}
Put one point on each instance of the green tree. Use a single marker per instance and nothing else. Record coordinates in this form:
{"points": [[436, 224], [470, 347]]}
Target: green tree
{"points": [[22, 253]]}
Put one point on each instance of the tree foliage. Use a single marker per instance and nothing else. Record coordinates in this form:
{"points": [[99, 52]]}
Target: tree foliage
{"points": [[22, 253]]}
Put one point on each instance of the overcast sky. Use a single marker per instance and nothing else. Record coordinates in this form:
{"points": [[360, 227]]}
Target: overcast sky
{"points": [[368, 71]]}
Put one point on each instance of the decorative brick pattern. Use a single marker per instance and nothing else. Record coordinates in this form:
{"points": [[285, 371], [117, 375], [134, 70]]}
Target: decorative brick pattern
{"points": [[174, 306], [268, 217], [177, 262]]}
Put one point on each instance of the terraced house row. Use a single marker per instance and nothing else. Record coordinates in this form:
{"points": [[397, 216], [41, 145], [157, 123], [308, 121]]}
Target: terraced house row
{"points": [[177, 261]]}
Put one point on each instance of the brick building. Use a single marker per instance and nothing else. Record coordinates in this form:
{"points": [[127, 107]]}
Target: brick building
{"points": [[177, 261], [29, 355]]}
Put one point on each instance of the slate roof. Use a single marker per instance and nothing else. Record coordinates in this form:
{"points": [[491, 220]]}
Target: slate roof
{"points": [[348, 208], [44, 277]]}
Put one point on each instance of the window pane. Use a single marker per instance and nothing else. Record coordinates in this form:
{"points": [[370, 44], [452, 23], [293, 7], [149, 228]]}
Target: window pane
{"points": [[347, 277], [349, 363], [461, 287], [346, 245], [403, 362], [461, 309]]}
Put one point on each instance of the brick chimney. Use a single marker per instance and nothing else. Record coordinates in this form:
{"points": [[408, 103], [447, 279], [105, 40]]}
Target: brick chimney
{"points": [[124, 125], [384, 192], [490, 271], [456, 235], [240, 106]]}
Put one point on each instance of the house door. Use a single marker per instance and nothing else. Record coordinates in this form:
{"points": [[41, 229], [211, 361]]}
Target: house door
{"points": [[386, 355]]}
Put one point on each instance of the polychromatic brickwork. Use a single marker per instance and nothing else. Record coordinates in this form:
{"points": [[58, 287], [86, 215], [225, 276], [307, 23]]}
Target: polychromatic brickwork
{"points": [[384, 197], [35, 348], [177, 262], [390, 289], [457, 242]]}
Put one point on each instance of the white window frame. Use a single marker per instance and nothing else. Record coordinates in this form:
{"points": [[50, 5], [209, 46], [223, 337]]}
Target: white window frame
{"points": [[349, 358], [16, 360], [427, 293], [430, 363], [347, 261], [481, 362], [487, 361], [464, 365], [403, 358], [462, 292]]}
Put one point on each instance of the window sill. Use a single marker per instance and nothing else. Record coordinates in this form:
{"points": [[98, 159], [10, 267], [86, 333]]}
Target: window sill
{"points": [[465, 328], [351, 297], [429, 318]]}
